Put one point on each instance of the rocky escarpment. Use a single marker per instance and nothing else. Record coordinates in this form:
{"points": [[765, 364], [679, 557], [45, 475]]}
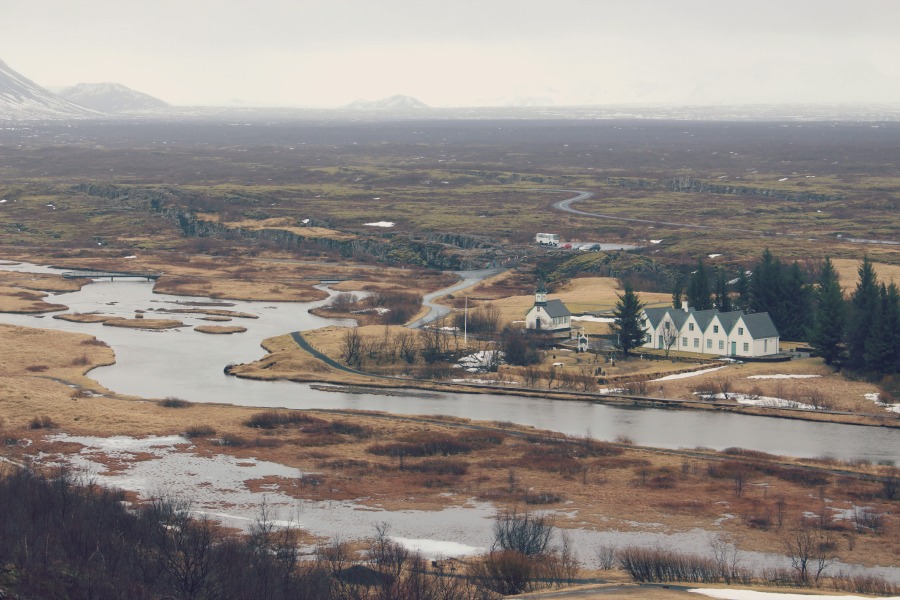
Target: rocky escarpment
{"points": [[687, 184], [437, 250]]}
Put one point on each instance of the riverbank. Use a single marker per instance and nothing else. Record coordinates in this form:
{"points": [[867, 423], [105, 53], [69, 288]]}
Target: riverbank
{"points": [[587, 486]]}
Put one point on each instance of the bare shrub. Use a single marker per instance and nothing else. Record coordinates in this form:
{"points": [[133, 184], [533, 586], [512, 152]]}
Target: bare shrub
{"points": [[522, 532], [868, 519], [273, 419], [195, 431], [172, 402], [233, 440], [606, 557], [81, 361], [422, 445], [44, 422], [36, 368]]}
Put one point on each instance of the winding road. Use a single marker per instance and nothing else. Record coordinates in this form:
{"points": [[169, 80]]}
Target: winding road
{"points": [[436, 311], [566, 206]]}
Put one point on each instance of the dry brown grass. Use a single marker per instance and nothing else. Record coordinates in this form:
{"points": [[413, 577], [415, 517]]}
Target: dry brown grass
{"points": [[602, 491], [220, 329], [155, 324], [847, 269], [20, 300]]}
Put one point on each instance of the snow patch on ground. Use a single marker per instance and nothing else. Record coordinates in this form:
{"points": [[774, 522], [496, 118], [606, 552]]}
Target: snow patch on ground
{"points": [[876, 398], [484, 359], [435, 549], [592, 319], [782, 376], [655, 241], [380, 224], [765, 401], [484, 381], [686, 375], [725, 594], [714, 255]]}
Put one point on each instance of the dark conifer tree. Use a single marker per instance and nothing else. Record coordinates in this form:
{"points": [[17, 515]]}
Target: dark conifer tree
{"points": [[864, 305], [743, 291], [827, 331], [626, 323], [677, 292], [698, 293], [723, 300]]}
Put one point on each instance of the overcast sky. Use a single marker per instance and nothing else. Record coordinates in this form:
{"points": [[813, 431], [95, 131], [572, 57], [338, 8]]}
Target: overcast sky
{"points": [[463, 52]]}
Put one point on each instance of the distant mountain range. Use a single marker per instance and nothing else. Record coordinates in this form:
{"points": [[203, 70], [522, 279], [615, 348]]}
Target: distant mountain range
{"points": [[397, 102], [111, 98], [23, 99]]}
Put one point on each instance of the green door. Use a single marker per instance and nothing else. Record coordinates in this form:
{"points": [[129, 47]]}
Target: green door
{"points": [[733, 348]]}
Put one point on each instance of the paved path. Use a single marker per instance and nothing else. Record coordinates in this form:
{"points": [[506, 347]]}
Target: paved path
{"points": [[566, 206], [436, 311]]}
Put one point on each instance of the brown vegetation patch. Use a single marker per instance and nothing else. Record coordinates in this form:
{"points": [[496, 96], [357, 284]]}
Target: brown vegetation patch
{"points": [[144, 323], [219, 329]]}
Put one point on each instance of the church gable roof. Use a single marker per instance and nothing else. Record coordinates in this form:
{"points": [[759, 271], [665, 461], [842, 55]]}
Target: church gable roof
{"points": [[555, 308]]}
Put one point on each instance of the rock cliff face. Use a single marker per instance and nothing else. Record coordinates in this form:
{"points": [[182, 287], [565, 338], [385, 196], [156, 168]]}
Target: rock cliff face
{"points": [[437, 251], [686, 184]]}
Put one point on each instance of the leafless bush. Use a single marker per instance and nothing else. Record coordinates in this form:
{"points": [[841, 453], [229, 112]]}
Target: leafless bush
{"points": [[873, 585], [868, 519], [199, 431], [172, 402], [81, 361], [522, 532], [36, 368], [606, 557], [44, 422], [273, 419]]}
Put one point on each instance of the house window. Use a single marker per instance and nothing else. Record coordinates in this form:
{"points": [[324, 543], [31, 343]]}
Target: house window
{"points": [[690, 326], [696, 342], [721, 344], [709, 344], [684, 341], [715, 329], [740, 331], [746, 347]]}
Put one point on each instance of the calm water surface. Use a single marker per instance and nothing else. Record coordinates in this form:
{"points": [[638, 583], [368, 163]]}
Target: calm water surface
{"points": [[187, 364]]}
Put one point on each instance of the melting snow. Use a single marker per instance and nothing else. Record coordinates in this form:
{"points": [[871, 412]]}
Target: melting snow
{"points": [[655, 241], [765, 401], [782, 376], [434, 549], [876, 398], [714, 255], [686, 375], [725, 594], [592, 319], [381, 224]]}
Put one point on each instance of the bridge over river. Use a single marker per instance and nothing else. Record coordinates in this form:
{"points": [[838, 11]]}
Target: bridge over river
{"points": [[97, 274]]}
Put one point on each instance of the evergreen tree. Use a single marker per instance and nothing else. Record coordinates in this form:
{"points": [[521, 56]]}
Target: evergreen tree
{"points": [[723, 300], [677, 293], [864, 305], [626, 323], [743, 291], [882, 345], [698, 294], [827, 331], [794, 309], [766, 286]]}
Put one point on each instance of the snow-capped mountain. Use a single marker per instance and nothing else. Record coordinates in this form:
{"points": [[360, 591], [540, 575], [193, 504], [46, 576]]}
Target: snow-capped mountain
{"points": [[23, 99], [397, 102], [111, 98]]}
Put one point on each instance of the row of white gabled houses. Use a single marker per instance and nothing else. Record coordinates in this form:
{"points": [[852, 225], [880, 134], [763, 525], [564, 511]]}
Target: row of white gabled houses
{"points": [[733, 333]]}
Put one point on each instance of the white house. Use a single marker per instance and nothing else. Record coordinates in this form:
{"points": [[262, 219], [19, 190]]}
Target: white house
{"points": [[548, 315], [732, 333]]}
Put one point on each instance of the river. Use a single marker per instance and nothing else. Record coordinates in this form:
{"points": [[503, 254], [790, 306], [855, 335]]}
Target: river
{"points": [[189, 365]]}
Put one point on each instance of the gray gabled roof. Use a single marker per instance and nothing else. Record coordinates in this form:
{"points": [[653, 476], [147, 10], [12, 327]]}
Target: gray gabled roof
{"points": [[729, 319], [555, 308], [655, 315], [703, 317], [760, 325]]}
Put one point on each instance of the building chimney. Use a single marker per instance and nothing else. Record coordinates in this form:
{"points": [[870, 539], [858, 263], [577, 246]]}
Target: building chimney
{"points": [[684, 305]]}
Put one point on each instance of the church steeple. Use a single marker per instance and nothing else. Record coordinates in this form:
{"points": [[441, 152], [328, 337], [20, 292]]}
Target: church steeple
{"points": [[540, 295]]}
